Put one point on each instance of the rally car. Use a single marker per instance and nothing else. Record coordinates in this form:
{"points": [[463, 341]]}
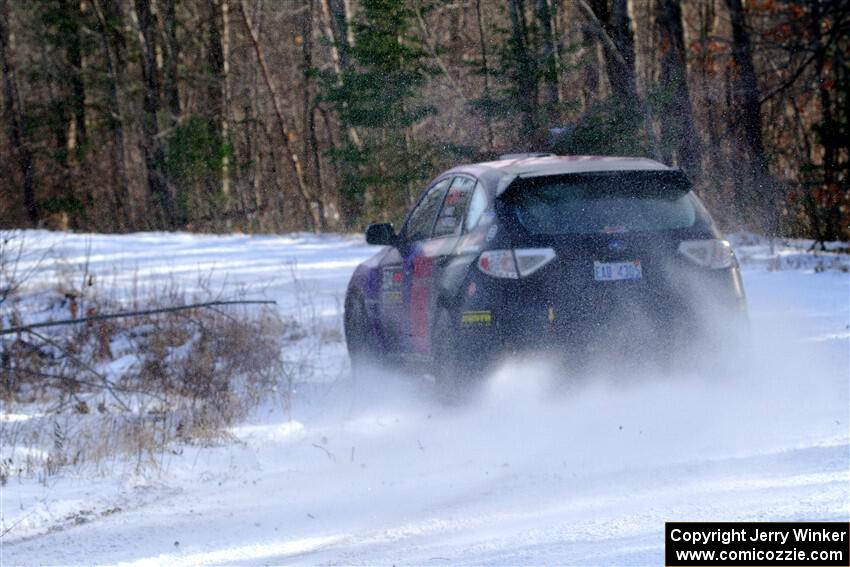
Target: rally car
{"points": [[580, 256]]}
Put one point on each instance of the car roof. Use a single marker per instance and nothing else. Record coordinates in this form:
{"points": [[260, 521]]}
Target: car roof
{"points": [[498, 175]]}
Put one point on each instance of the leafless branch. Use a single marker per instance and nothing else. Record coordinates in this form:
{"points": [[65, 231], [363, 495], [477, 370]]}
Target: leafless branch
{"points": [[27, 328]]}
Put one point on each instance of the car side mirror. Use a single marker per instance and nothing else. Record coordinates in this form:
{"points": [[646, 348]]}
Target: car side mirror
{"points": [[381, 234]]}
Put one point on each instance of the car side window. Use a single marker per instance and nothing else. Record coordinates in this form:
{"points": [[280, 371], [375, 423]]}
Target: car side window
{"points": [[477, 206], [452, 213], [421, 220]]}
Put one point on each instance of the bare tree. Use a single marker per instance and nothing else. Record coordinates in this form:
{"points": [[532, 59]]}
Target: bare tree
{"points": [[485, 71], [335, 21], [287, 134], [614, 29], [151, 141], [525, 70], [547, 21], [13, 112], [110, 20], [677, 119], [747, 95], [218, 85], [311, 142], [172, 56], [74, 51], [261, 128]]}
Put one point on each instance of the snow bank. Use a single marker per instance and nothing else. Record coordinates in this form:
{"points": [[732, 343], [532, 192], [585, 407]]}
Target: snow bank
{"points": [[533, 470], [754, 251]]}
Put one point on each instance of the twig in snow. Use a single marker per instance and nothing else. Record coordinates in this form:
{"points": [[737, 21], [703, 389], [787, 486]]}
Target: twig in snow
{"points": [[330, 455], [107, 385], [10, 528]]}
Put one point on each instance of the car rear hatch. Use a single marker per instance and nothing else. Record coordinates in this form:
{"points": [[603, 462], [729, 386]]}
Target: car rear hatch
{"points": [[617, 276]]}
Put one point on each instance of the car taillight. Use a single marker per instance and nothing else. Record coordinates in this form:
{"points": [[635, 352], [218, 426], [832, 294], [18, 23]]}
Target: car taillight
{"points": [[713, 254], [516, 263]]}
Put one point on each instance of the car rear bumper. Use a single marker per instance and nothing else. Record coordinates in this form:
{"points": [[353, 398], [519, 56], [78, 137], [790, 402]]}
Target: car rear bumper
{"points": [[519, 316]]}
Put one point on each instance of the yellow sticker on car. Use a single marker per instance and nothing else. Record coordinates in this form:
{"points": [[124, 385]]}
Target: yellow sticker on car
{"points": [[392, 297], [476, 317]]}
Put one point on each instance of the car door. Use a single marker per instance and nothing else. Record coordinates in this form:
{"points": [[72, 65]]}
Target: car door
{"points": [[424, 272], [399, 264]]}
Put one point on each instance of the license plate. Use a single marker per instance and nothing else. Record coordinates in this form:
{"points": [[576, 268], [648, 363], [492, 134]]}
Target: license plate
{"points": [[613, 271]]}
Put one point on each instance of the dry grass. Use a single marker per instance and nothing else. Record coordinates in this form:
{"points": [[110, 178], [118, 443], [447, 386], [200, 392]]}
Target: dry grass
{"points": [[129, 390]]}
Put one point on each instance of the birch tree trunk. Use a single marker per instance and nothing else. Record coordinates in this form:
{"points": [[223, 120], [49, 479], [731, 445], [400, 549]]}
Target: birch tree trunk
{"points": [[335, 20]]}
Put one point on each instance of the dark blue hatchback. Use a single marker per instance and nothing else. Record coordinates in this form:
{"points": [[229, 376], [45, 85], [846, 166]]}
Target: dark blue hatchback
{"points": [[592, 258]]}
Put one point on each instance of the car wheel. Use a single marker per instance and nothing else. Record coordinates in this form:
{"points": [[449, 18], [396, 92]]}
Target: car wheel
{"points": [[452, 373], [359, 336]]}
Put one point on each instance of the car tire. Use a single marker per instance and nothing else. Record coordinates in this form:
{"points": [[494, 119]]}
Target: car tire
{"points": [[453, 376], [359, 336]]}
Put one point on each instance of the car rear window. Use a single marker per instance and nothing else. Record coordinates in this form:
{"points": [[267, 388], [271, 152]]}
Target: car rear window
{"points": [[604, 203]]}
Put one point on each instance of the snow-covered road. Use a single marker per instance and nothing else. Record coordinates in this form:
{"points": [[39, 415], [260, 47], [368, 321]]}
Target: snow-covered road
{"points": [[377, 472]]}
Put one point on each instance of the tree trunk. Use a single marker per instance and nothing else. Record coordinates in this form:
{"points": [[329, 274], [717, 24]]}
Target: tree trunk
{"points": [[107, 24], [225, 88], [829, 130], [621, 33], [618, 47], [590, 67], [74, 53], [286, 133], [485, 71], [13, 112], [215, 63], [615, 34], [311, 142], [525, 72], [154, 156], [747, 96], [218, 87], [336, 22], [707, 74], [340, 12], [550, 55], [172, 53], [677, 122]]}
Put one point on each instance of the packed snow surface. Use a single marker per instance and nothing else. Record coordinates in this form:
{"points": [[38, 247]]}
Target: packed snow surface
{"points": [[377, 471]]}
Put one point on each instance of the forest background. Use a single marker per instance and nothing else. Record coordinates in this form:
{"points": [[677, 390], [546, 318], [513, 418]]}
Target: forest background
{"points": [[282, 115]]}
